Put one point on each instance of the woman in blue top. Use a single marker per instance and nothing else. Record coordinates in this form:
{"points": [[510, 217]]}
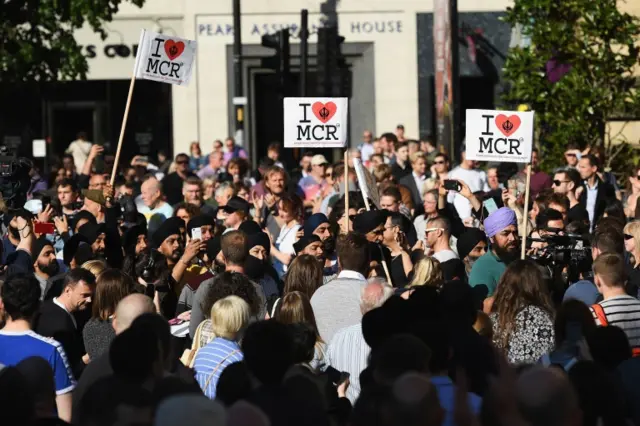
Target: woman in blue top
{"points": [[196, 159], [229, 319]]}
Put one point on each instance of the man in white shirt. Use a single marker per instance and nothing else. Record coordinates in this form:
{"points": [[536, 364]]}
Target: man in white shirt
{"points": [[476, 180], [366, 149], [155, 210], [337, 304], [79, 149], [438, 235]]}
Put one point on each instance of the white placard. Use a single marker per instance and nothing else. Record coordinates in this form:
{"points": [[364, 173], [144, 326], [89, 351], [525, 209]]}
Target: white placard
{"points": [[505, 136], [39, 148], [164, 58], [367, 183], [315, 122]]}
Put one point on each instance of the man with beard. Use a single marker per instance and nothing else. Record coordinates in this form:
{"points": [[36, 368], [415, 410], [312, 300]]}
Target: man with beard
{"points": [[96, 235], [56, 319], [134, 243], [168, 241], [318, 224], [471, 245], [310, 245], [45, 263], [502, 229]]}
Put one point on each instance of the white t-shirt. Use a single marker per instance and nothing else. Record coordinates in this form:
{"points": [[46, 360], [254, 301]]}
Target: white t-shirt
{"points": [[477, 181], [284, 243], [445, 255], [79, 150]]}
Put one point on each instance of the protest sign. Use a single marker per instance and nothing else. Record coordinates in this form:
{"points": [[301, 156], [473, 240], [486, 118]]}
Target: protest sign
{"points": [[367, 183], [315, 122], [160, 58], [504, 136], [165, 58]]}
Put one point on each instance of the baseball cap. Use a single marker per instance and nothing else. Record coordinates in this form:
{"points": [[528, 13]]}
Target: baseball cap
{"points": [[236, 204], [318, 159]]}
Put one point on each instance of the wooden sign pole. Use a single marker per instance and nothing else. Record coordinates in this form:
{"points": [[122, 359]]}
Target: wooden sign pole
{"points": [[114, 172], [525, 216], [346, 192]]}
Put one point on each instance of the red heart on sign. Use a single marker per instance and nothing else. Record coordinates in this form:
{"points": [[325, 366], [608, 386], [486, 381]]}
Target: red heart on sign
{"points": [[173, 49], [324, 112], [507, 125]]}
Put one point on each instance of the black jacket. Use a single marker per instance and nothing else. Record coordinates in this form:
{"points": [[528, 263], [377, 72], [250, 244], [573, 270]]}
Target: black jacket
{"points": [[53, 321], [606, 193]]}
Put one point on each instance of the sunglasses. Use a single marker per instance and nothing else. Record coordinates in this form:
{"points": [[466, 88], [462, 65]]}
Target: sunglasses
{"points": [[182, 162], [628, 237], [426, 231], [438, 162], [327, 175], [559, 182], [569, 155]]}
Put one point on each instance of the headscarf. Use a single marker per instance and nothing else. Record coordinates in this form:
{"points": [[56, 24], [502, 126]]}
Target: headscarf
{"points": [[368, 221], [304, 242], [38, 246], [92, 231], [468, 240], [312, 223], [168, 228], [498, 220]]}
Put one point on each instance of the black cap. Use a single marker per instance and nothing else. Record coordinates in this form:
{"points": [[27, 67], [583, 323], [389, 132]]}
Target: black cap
{"points": [[237, 204], [38, 246]]}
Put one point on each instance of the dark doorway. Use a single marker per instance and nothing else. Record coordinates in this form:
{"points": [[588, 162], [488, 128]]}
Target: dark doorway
{"points": [[475, 93], [67, 123], [269, 119]]}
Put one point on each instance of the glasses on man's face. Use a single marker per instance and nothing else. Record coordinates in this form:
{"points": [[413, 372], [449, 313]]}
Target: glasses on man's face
{"points": [[628, 237], [559, 182], [182, 162], [438, 162]]}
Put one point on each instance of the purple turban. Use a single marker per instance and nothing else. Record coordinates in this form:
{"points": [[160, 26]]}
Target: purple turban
{"points": [[498, 220]]}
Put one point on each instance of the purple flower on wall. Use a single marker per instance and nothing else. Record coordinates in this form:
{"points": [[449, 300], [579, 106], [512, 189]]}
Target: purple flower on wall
{"points": [[556, 70]]}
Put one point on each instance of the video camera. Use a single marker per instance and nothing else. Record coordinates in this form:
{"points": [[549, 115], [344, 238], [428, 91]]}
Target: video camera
{"points": [[14, 179], [572, 251]]}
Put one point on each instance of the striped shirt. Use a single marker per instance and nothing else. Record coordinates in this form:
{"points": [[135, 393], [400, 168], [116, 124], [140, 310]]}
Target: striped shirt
{"points": [[349, 352], [211, 361], [623, 312]]}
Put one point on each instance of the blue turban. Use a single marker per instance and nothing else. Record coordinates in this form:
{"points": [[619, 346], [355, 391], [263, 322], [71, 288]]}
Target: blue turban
{"points": [[313, 222], [498, 220]]}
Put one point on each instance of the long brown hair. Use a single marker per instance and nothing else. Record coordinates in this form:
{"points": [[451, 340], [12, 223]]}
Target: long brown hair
{"points": [[521, 285], [304, 275], [112, 285], [295, 308]]}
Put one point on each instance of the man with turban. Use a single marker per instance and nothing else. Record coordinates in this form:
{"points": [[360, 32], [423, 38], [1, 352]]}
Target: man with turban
{"points": [[471, 245], [501, 228]]}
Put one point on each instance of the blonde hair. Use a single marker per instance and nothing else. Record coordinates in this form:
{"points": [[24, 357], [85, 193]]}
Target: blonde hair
{"points": [[430, 186], [94, 266], [229, 317], [633, 228], [416, 155], [427, 272]]}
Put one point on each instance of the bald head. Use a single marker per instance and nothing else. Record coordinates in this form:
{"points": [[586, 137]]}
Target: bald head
{"points": [[546, 398], [374, 294], [130, 308]]}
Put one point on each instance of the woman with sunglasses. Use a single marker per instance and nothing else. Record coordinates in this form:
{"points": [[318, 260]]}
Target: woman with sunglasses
{"points": [[632, 246]]}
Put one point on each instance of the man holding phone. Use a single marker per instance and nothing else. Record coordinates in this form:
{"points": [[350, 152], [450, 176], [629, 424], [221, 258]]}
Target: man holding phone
{"points": [[476, 179]]}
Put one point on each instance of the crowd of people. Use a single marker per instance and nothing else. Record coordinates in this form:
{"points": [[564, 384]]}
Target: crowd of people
{"points": [[202, 291]]}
